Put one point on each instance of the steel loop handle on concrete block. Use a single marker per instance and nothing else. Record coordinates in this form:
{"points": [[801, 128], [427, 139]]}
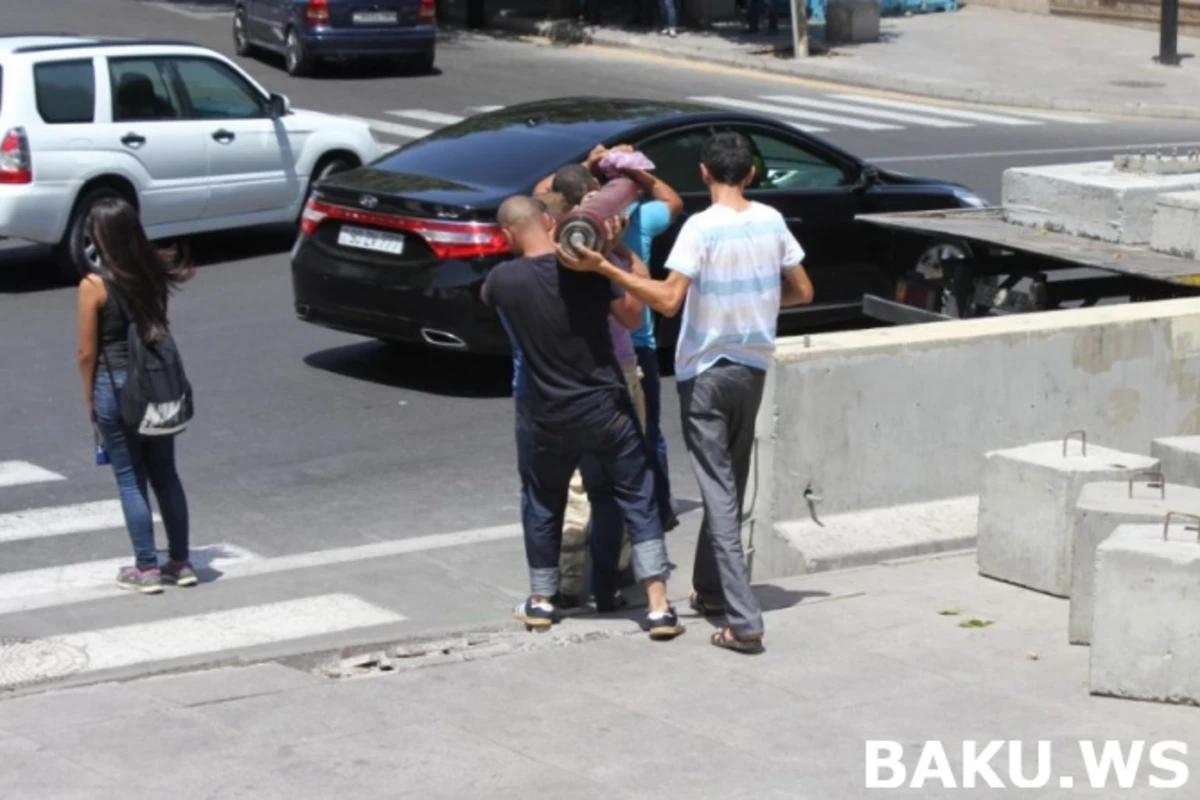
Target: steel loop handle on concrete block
{"points": [[1155, 480], [1178, 515], [1082, 441]]}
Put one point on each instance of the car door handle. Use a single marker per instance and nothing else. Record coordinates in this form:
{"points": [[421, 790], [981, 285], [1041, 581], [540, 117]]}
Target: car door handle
{"points": [[223, 136], [133, 140]]}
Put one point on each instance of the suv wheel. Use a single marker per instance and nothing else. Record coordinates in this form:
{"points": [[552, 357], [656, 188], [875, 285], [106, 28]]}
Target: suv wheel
{"points": [[299, 62], [76, 255], [241, 41], [423, 64]]}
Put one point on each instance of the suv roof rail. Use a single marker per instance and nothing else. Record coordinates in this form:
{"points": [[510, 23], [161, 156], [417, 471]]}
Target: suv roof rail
{"points": [[45, 48]]}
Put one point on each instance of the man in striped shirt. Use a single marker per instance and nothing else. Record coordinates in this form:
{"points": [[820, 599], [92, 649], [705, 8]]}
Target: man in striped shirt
{"points": [[735, 264]]}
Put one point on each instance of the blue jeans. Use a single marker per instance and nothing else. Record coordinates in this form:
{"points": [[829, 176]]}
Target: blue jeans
{"points": [[671, 17], [652, 389], [135, 460], [611, 448]]}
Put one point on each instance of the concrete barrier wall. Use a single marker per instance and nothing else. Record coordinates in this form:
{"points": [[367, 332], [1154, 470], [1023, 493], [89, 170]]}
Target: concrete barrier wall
{"points": [[903, 416]]}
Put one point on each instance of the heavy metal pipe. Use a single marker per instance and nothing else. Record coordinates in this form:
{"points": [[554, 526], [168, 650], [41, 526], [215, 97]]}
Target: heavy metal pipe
{"points": [[585, 224]]}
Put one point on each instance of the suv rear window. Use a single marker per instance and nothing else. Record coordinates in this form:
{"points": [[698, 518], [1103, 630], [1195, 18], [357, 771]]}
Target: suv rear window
{"points": [[66, 91]]}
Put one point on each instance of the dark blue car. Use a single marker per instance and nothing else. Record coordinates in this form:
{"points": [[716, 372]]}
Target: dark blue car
{"points": [[306, 32]]}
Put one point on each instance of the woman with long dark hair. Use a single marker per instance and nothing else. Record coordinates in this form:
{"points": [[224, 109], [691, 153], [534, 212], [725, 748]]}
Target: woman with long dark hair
{"points": [[132, 286]]}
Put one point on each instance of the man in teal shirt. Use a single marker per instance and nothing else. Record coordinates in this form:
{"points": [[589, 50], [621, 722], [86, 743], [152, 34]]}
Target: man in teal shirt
{"points": [[648, 218]]}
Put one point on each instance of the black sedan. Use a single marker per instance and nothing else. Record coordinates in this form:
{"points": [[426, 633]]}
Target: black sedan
{"points": [[397, 249]]}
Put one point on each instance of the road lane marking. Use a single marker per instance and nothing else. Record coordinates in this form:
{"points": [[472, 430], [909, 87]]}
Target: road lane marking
{"points": [[22, 473], [39, 523], [436, 117], [203, 16], [486, 109], [896, 116], [219, 631], [252, 567], [392, 128], [816, 116], [1104, 148], [957, 113], [41, 588]]}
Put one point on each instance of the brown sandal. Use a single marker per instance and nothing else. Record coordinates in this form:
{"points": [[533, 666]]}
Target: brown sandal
{"points": [[725, 638]]}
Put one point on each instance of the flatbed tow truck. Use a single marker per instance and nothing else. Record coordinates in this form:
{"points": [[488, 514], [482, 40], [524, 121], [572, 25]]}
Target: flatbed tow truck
{"points": [[1013, 268]]}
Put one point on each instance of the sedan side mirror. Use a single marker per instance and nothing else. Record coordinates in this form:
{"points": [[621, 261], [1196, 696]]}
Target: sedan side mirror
{"points": [[868, 177], [280, 106]]}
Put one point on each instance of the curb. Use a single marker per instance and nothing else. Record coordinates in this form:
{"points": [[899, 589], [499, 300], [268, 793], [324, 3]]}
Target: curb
{"points": [[568, 32]]}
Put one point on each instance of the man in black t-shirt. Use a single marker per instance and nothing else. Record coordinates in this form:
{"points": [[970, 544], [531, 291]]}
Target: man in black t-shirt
{"points": [[578, 404]]}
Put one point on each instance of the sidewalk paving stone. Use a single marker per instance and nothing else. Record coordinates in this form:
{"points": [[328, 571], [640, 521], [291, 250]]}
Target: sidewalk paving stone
{"points": [[976, 54], [623, 717]]}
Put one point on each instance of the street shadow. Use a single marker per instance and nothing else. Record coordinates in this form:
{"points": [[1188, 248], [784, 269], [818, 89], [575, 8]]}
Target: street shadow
{"points": [[419, 368], [776, 598]]}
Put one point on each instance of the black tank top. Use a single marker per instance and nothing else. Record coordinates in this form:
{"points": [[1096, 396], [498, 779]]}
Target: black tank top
{"points": [[113, 332]]}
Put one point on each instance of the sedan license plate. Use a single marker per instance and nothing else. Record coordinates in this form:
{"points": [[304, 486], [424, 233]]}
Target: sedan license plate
{"points": [[364, 239], [375, 18]]}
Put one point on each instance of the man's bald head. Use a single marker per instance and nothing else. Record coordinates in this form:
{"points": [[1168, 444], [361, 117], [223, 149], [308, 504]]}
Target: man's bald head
{"points": [[525, 222], [519, 212]]}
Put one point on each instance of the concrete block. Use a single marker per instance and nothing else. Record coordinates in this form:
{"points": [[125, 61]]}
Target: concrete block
{"points": [[852, 21], [1146, 621], [1102, 508], [1028, 503], [1176, 227], [1179, 457], [1093, 200]]}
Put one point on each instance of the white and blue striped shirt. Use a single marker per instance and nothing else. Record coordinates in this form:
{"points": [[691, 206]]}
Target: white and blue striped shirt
{"points": [[735, 261]]}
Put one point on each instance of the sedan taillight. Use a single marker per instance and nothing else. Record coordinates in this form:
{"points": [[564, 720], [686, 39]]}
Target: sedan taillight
{"points": [[447, 240], [316, 13], [427, 13], [15, 164]]}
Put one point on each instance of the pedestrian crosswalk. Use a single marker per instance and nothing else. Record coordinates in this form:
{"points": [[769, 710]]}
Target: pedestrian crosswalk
{"points": [[136, 632], [822, 113]]}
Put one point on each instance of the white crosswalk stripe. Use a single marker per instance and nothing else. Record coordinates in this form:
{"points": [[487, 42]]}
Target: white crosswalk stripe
{"points": [[218, 631], [436, 117], [22, 473], [392, 128], [895, 116], [486, 109], [772, 109], [37, 523], [143, 636], [953, 113]]}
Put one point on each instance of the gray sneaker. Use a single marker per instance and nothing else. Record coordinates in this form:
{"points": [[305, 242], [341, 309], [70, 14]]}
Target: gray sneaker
{"points": [[180, 573], [146, 581]]}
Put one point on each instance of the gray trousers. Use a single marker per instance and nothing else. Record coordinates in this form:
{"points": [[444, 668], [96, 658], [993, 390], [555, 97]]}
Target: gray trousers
{"points": [[718, 410]]}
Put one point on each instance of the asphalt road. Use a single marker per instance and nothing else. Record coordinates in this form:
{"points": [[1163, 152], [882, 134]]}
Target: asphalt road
{"points": [[308, 440]]}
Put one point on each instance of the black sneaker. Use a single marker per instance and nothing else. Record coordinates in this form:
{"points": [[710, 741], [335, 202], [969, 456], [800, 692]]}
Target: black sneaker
{"points": [[664, 625], [566, 602], [537, 616], [608, 603]]}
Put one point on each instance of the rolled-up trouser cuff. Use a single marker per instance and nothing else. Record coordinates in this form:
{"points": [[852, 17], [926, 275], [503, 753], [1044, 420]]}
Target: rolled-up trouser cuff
{"points": [[650, 559], [543, 582]]}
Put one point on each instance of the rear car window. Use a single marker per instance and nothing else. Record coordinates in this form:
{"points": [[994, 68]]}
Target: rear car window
{"points": [[65, 91], [504, 159]]}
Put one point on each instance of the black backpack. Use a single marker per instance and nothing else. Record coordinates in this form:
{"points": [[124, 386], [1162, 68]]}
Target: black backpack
{"points": [[156, 399]]}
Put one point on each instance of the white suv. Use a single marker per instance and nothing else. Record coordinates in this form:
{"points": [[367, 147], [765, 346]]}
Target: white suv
{"points": [[177, 129]]}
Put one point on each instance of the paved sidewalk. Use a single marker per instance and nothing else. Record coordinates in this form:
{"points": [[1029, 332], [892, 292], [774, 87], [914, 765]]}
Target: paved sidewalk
{"points": [[976, 54], [595, 710]]}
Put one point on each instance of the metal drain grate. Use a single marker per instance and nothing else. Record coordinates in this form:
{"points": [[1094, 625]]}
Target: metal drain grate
{"points": [[27, 662]]}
